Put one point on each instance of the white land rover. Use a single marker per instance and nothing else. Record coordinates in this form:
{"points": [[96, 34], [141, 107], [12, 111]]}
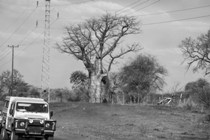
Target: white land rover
{"points": [[26, 117]]}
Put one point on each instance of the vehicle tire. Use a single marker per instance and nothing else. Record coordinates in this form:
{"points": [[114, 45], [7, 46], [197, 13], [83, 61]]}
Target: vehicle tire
{"points": [[4, 135], [39, 139], [13, 136], [49, 138]]}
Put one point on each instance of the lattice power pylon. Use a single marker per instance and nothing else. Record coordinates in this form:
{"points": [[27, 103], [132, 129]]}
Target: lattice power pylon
{"points": [[45, 76]]}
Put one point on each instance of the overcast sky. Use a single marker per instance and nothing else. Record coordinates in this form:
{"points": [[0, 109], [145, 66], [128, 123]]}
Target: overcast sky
{"points": [[164, 24]]}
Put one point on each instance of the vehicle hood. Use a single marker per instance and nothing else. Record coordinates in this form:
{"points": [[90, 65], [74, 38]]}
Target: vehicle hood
{"points": [[25, 115]]}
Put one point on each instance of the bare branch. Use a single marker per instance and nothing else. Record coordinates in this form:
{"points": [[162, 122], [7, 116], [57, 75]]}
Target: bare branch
{"points": [[197, 52], [132, 48], [97, 38]]}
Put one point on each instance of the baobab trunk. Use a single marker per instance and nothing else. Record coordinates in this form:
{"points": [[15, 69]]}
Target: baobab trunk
{"points": [[95, 88]]}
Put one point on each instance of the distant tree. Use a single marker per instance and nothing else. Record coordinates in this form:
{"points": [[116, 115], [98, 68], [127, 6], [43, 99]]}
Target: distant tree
{"points": [[197, 52], [1, 86], [193, 87], [59, 94], [63, 94], [204, 96], [116, 94], [78, 78], [19, 85], [80, 85], [200, 91], [34, 92], [97, 42], [81, 94], [141, 76]]}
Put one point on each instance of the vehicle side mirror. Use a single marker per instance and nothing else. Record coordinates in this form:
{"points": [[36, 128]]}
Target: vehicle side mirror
{"points": [[51, 114]]}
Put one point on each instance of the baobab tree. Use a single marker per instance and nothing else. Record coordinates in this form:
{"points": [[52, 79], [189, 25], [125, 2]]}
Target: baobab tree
{"points": [[98, 42]]}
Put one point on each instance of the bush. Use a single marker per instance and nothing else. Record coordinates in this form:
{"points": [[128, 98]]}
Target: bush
{"points": [[199, 91], [204, 96], [79, 94]]}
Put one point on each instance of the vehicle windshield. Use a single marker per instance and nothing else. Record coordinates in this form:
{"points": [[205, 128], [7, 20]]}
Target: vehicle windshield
{"points": [[32, 107]]}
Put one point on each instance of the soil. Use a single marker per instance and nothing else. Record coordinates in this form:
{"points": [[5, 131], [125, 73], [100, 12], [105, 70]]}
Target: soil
{"points": [[85, 121]]}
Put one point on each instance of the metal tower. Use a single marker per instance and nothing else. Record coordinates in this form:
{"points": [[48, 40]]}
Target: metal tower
{"points": [[45, 76]]}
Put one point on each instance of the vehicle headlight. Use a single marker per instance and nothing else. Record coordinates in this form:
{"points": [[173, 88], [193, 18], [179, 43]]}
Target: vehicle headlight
{"points": [[41, 121], [47, 125], [50, 125], [22, 124], [31, 121]]}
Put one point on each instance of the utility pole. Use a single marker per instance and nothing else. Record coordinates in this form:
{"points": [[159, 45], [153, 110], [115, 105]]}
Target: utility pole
{"points": [[11, 87]]}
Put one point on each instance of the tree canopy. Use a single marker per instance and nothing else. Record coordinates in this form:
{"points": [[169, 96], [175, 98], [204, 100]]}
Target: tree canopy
{"points": [[199, 90], [78, 78], [98, 38], [143, 75], [19, 85]]}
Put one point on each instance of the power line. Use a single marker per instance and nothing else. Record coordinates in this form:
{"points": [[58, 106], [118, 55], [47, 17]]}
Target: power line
{"points": [[28, 44], [6, 63], [144, 6], [24, 48], [174, 11], [27, 35], [21, 42], [132, 5], [148, 5], [5, 55], [162, 22], [18, 27], [17, 17]]}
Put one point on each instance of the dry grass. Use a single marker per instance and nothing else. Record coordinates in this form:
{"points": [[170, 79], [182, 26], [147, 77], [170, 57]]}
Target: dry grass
{"points": [[129, 122]]}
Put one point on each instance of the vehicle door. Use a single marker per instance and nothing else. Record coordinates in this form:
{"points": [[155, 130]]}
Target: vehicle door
{"points": [[4, 112], [10, 117]]}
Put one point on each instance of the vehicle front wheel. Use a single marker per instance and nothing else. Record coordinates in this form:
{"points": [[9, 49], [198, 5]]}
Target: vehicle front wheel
{"points": [[13, 136], [4, 135], [49, 138]]}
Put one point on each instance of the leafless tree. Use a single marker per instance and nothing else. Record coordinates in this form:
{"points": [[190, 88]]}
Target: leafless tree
{"points": [[197, 52], [97, 41]]}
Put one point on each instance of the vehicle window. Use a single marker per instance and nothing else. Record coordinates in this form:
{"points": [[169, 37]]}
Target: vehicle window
{"points": [[32, 107], [12, 109]]}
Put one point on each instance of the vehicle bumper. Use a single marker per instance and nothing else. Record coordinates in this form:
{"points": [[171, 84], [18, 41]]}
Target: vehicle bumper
{"points": [[26, 133]]}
